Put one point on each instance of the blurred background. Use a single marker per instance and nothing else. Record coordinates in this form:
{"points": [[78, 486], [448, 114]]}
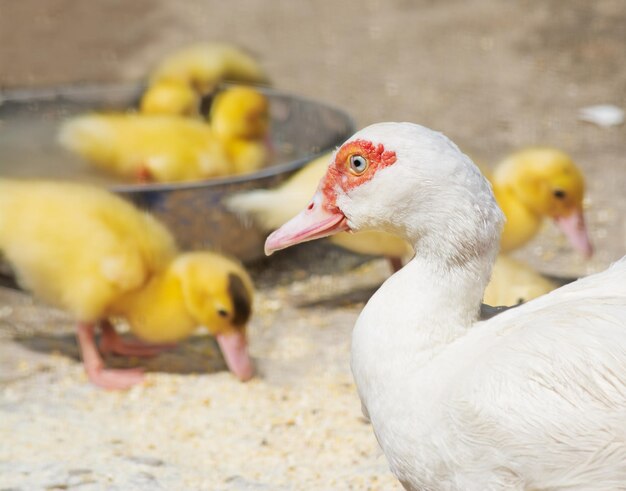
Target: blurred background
{"points": [[494, 76]]}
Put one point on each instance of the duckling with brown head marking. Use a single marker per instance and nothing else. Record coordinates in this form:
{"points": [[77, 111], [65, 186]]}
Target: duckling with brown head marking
{"points": [[218, 293], [99, 257], [536, 183]]}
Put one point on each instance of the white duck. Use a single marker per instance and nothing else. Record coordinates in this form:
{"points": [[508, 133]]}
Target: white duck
{"points": [[534, 398], [530, 185]]}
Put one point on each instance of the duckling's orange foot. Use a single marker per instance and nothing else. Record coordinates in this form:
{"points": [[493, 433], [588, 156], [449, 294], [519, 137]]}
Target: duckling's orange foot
{"points": [[114, 379], [120, 346], [112, 343], [395, 263], [98, 375], [144, 175]]}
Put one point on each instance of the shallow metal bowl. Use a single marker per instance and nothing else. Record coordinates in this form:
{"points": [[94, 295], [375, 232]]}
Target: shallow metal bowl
{"points": [[300, 130]]}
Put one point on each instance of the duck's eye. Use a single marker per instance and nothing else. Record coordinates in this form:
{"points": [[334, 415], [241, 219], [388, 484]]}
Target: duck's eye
{"points": [[559, 193], [222, 313], [358, 164]]}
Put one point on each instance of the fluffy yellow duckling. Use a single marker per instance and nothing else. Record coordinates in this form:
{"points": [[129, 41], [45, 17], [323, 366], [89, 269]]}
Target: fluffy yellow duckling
{"points": [[271, 208], [147, 148], [167, 148], [170, 97], [93, 254], [529, 185], [203, 66], [536, 183], [240, 118]]}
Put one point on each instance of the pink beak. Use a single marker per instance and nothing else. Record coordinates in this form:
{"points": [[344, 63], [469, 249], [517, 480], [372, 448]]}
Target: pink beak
{"points": [[315, 222], [235, 350], [573, 226]]}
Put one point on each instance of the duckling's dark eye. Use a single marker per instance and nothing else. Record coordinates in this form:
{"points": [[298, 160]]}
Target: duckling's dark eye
{"points": [[358, 164], [222, 313], [559, 193]]}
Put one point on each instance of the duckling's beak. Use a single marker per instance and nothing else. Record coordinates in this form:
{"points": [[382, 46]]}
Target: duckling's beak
{"points": [[314, 222], [573, 226], [235, 350]]}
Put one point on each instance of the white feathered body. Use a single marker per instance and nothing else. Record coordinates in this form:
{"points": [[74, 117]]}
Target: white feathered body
{"points": [[534, 398]]}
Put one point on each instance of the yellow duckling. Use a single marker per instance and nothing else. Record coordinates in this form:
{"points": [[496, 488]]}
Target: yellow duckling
{"points": [[170, 97], [536, 183], [529, 185], [168, 148], [203, 66], [93, 254], [240, 118]]}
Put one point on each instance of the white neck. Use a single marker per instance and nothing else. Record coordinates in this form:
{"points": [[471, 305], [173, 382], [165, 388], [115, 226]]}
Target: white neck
{"points": [[422, 307], [414, 315]]}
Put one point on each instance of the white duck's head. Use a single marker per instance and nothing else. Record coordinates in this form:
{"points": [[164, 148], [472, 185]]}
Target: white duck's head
{"points": [[407, 180]]}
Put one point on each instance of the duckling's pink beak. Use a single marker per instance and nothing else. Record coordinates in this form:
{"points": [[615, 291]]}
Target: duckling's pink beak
{"points": [[235, 350], [314, 222], [573, 226]]}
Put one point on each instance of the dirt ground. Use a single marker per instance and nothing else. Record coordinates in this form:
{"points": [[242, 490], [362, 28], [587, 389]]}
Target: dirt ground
{"points": [[492, 75]]}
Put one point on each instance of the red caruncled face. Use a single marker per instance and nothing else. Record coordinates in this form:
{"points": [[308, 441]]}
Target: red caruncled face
{"points": [[355, 163]]}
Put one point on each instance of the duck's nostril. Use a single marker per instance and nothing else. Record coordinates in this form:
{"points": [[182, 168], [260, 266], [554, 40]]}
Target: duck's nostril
{"points": [[311, 206]]}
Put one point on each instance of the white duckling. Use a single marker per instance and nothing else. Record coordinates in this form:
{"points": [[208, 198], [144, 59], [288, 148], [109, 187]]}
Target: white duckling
{"points": [[533, 398]]}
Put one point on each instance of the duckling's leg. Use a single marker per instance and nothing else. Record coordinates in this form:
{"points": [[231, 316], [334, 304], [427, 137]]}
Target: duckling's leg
{"points": [[112, 342], [143, 174], [396, 263], [94, 366]]}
